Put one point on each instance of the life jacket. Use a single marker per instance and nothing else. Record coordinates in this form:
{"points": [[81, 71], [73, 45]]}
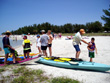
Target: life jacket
{"points": [[92, 46], [26, 43]]}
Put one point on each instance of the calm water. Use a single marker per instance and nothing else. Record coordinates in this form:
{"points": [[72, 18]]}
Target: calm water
{"points": [[13, 43]]}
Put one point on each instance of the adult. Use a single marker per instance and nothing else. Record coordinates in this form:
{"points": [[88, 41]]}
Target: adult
{"points": [[77, 40], [7, 47], [44, 42], [50, 41]]}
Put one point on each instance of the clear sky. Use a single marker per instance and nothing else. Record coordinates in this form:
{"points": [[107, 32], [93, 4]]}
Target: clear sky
{"points": [[18, 13]]}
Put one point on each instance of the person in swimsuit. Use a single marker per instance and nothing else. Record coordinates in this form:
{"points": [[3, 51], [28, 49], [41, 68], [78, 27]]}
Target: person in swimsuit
{"points": [[50, 41], [38, 43]]}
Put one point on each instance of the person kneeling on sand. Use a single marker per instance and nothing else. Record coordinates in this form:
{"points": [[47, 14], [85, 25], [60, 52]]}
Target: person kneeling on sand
{"points": [[7, 47], [44, 42], [77, 40], [38, 43], [27, 47], [92, 48]]}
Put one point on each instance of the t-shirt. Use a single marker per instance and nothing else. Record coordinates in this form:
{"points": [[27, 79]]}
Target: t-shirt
{"points": [[77, 39], [26, 44], [5, 41], [38, 42], [44, 40]]}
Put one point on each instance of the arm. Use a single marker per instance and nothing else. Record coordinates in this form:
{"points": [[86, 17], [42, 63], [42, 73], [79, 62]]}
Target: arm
{"points": [[89, 48], [95, 49], [84, 41]]}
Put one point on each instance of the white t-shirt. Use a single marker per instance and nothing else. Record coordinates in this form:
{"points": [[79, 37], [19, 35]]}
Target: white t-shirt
{"points": [[38, 42], [77, 39]]}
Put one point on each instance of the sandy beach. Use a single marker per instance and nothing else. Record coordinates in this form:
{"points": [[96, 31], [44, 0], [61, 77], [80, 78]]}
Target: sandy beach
{"points": [[64, 48]]}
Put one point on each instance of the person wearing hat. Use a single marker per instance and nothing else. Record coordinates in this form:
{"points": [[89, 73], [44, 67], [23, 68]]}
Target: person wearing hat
{"points": [[27, 47], [38, 43], [7, 47], [44, 42], [77, 40]]}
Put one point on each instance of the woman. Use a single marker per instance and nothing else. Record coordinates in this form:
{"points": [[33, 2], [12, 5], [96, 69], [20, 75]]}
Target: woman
{"points": [[50, 41]]}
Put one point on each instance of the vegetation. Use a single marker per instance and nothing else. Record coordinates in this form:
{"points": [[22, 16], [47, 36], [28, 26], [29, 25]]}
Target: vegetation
{"points": [[66, 28], [2, 69], [21, 74], [106, 19], [63, 80]]}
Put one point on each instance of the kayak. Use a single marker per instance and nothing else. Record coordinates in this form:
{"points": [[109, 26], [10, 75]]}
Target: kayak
{"points": [[73, 64], [18, 58], [31, 54], [23, 60]]}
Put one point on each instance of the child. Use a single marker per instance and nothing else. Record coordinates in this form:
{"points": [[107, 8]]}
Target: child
{"points": [[92, 48], [26, 46], [38, 43]]}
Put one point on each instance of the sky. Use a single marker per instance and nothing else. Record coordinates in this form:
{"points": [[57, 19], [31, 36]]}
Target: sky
{"points": [[19, 13]]}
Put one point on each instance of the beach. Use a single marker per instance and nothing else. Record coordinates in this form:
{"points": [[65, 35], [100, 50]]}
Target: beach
{"points": [[64, 48]]}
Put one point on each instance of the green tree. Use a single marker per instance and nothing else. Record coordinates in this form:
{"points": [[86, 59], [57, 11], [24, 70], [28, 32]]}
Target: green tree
{"points": [[106, 18]]}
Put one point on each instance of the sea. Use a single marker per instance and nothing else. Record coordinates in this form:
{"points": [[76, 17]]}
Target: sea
{"points": [[13, 43]]}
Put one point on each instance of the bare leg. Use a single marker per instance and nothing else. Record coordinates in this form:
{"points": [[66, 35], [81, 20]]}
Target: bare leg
{"points": [[77, 54], [39, 50], [14, 61], [50, 51], [27, 55], [44, 53], [90, 59], [5, 60], [24, 55]]}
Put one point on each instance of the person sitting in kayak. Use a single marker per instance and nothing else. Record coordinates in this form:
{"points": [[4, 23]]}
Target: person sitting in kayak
{"points": [[26, 45], [92, 48]]}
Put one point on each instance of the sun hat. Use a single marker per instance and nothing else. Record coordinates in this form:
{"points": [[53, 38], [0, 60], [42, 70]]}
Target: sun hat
{"points": [[42, 30], [8, 32], [82, 31]]}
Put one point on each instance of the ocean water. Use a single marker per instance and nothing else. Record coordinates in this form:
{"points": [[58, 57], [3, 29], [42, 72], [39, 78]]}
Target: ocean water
{"points": [[13, 43]]}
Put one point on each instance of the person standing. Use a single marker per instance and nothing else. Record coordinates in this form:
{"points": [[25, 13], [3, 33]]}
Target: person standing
{"points": [[27, 47], [44, 42], [92, 48], [7, 47], [77, 40], [38, 43], [50, 41]]}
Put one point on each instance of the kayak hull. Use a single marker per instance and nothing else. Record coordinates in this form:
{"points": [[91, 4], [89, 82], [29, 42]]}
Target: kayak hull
{"points": [[81, 65]]}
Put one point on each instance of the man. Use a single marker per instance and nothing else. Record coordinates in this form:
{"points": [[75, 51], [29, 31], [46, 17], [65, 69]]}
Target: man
{"points": [[77, 40], [7, 47], [44, 42]]}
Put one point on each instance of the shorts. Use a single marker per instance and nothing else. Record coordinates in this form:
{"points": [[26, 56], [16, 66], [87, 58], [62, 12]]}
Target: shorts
{"points": [[49, 45], [9, 50], [91, 54], [43, 47], [77, 47], [26, 51]]}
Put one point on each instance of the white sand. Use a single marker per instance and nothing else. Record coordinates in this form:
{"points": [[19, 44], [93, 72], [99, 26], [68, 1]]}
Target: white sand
{"points": [[62, 47]]}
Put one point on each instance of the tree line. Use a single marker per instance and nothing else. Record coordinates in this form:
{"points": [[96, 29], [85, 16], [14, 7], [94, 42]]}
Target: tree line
{"points": [[68, 28]]}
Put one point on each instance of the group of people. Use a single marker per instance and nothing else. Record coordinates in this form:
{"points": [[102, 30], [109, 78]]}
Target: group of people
{"points": [[46, 41]]}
